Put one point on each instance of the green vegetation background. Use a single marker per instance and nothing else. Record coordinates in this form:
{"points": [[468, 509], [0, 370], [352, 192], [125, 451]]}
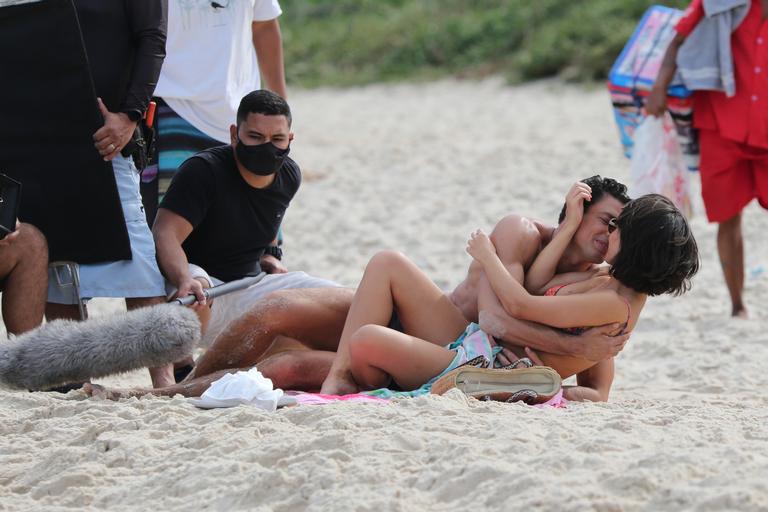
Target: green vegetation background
{"points": [[355, 42]]}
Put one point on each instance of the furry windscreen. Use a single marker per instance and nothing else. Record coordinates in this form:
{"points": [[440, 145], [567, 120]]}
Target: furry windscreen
{"points": [[66, 351]]}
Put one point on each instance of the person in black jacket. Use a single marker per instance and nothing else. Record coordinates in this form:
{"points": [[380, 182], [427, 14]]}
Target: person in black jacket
{"points": [[125, 45]]}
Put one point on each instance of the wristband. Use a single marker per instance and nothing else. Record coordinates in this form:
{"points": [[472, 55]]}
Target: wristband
{"points": [[133, 115], [275, 251]]}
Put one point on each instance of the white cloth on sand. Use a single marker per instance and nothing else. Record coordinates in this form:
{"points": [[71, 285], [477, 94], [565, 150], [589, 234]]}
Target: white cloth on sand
{"points": [[243, 388]]}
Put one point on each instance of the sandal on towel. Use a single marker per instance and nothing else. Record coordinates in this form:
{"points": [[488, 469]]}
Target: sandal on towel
{"points": [[527, 396], [523, 362], [477, 362], [530, 385]]}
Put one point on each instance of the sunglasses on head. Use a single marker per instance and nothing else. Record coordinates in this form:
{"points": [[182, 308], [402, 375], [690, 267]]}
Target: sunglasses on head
{"points": [[613, 224]]}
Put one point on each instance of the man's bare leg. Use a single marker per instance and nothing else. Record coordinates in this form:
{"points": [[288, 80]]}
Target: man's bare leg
{"points": [[162, 375], [295, 370], [315, 316], [391, 281], [730, 247], [24, 267], [55, 311]]}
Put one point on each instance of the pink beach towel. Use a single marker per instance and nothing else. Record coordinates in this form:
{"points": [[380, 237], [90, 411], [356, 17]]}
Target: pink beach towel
{"points": [[321, 399], [558, 401]]}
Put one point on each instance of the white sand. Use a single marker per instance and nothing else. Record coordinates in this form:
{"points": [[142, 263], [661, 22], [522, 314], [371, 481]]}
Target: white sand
{"points": [[417, 167]]}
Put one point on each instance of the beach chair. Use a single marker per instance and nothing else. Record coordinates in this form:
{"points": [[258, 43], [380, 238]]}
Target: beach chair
{"points": [[68, 280]]}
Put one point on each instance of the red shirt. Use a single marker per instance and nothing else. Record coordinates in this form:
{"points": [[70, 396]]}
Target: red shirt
{"points": [[744, 117]]}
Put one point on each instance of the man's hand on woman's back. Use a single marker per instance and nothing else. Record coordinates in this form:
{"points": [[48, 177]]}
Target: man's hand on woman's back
{"points": [[600, 343]]}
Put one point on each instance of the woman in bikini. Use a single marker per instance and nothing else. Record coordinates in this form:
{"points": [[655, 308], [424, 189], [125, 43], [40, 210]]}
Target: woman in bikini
{"points": [[651, 251]]}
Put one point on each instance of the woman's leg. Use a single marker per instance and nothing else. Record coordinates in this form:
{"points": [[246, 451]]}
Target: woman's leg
{"points": [[378, 354], [392, 282]]}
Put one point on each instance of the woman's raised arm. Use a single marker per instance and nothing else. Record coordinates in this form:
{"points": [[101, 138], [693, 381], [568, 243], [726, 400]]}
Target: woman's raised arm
{"points": [[545, 265], [597, 308]]}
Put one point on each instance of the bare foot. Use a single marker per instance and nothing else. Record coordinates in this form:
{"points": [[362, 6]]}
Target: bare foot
{"points": [[339, 384], [739, 312], [162, 376], [97, 391]]}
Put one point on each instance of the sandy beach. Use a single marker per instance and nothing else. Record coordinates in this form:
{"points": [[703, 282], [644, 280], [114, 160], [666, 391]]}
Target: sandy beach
{"points": [[415, 168]]}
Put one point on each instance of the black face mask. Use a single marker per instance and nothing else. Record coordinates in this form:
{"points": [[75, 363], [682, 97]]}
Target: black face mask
{"points": [[261, 159]]}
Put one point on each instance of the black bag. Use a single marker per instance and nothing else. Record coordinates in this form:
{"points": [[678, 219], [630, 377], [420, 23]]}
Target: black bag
{"points": [[48, 115], [10, 194], [141, 147]]}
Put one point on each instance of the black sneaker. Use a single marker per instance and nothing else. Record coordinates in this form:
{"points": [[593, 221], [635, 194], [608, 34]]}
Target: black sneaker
{"points": [[180, 373]]}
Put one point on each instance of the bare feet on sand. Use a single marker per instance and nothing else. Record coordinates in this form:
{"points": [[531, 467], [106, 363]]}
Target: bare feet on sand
{"points": [[739, 311], [97, 391], [339, 384]]}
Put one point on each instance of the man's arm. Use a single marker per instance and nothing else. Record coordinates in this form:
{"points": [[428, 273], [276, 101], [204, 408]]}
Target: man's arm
{"points": [[544, 267], [596, 308], [148, 22], [595, 344], [268, 44], [511, 332], [270, 264], [517, 241], [170, 230], [656, 104], [593, 384]]}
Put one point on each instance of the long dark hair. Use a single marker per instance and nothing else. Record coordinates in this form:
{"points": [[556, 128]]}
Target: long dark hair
{"points": [[658, 252]]}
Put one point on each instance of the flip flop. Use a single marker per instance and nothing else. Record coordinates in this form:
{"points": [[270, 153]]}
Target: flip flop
{"points": [[530, 385], [522, 362]]}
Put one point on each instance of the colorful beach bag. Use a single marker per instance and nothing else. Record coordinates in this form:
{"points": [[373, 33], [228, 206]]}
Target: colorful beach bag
{"points": [[633, 74]]}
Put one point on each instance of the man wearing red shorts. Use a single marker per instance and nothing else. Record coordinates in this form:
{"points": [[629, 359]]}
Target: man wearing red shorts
{"points": [[732, 124]]}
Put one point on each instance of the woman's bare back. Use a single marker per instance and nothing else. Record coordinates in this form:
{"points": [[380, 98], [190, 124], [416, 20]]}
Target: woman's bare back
{"points": [[601, 281]]}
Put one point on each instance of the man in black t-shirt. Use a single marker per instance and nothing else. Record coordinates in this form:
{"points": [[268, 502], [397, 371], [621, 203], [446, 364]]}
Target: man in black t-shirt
{"points": [[234, 222], [219, 220]]}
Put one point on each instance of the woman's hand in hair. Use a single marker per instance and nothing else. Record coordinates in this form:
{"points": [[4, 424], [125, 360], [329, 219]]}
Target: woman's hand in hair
{"points": [[480, 247], [574, 201]]}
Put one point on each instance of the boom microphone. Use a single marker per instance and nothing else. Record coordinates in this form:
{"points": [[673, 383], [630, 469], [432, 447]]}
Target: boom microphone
{"points": [[64, 351]]}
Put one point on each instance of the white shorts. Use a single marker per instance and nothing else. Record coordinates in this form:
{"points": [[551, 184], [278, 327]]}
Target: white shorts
{"points": [[137, 277], [234, 305]]}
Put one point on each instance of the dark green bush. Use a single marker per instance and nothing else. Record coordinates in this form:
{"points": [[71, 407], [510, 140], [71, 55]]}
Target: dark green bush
{"points": [[354, 42]]}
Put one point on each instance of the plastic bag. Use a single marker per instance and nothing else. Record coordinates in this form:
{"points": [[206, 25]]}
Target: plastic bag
{"points": [[657, 165]]}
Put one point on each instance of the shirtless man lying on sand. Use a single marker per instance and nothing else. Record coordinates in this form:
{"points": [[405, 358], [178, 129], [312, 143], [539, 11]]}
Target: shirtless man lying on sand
{"points": [[316, 317]]}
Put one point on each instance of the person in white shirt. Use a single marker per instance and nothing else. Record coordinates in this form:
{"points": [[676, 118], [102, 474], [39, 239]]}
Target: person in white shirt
{"points": [[217, 52]]}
